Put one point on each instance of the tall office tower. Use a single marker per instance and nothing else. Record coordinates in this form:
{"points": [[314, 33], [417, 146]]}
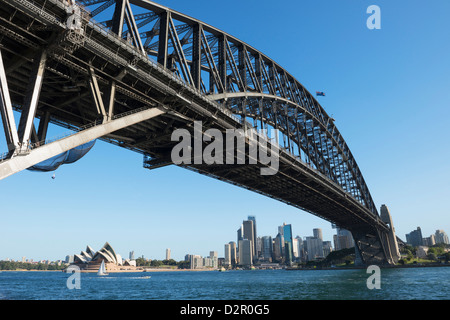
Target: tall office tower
{"points": [[245, 252], [227, 254], [253, 218], [300, 248], [258, 247], [233, 253], [315, 248], [278, 247], [266, 248], [249, 234], [414, 238], [318, 233], [239, 234], [327, 249], [214, 259], [168, 254], [295, 248], [131, 255], [289, 252], [441, 237]]}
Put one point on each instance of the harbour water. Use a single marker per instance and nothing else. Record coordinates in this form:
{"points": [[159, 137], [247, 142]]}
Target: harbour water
{"points": [[395, 284]]}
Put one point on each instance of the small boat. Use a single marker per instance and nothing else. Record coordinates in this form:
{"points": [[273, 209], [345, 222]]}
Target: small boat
{"points": [[102, 269]]}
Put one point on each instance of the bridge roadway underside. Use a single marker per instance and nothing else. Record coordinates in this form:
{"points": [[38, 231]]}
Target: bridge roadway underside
{"points": [[132, 81]]}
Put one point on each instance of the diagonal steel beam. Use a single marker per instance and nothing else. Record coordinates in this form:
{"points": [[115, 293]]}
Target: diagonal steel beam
{"points": [[32, 98], [9, 125], [19, 163]]}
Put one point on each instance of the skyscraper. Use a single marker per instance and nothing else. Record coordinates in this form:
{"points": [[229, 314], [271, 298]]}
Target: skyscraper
{"points": [[278, 247], [255, 249], [326, 245], [249, 234], [314, 247], [318, 233], [414, 238], [288, 243], [168, 254], [245, 252], [233, 253], [441, 237], [227, 254], [266, 248]]}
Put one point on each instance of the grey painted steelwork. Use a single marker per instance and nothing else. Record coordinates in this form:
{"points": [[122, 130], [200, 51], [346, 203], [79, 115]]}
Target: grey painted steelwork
{"points": [[144, 55]]}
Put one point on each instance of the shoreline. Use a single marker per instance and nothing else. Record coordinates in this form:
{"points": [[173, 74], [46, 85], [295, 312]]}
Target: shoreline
{"points": [[147, 270], [381, 267], [113, 271]]}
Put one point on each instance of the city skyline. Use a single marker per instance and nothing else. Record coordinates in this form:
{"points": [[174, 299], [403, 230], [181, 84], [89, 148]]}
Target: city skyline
{"points": [[316, 233], [378, 85]]}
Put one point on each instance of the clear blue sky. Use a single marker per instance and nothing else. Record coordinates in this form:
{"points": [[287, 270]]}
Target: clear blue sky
{"points": [[387, 89]]}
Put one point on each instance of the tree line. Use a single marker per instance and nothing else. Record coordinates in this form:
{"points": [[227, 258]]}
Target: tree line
{"points": [[141, 262], [12, 265]]}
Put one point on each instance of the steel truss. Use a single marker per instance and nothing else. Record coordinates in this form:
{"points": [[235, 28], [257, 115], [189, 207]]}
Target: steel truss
{"points": [[62, 67]]}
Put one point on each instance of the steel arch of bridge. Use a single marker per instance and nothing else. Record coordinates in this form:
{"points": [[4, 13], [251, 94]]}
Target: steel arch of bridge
{"points": [[242, 78], [237, 80]]}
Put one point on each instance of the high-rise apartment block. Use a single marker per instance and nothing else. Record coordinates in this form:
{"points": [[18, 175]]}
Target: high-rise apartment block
{"points": [[414, 238]]}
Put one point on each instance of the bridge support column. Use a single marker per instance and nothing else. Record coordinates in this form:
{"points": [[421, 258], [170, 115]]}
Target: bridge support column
{"points": [[391, 237]]}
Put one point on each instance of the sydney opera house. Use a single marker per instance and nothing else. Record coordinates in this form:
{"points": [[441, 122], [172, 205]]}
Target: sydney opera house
{"points": [[90, 260]]}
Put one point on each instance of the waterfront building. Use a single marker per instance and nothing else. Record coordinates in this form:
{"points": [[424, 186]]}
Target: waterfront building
{"points": [[315, 248], [245, 252], [212, 261], [255, 236], [300, 249], [227, 254], [195, 261], [266, 248], [249, 234], [430, 241], [289, 252], [90, 260], [295, 251], [258, 253], [131, 255], [278, 247], [414, 238], [168, 254], [441, 237], [233, 253]]}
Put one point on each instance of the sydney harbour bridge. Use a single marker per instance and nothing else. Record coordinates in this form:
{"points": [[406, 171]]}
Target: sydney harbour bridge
{"points": [[142, 71]]}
